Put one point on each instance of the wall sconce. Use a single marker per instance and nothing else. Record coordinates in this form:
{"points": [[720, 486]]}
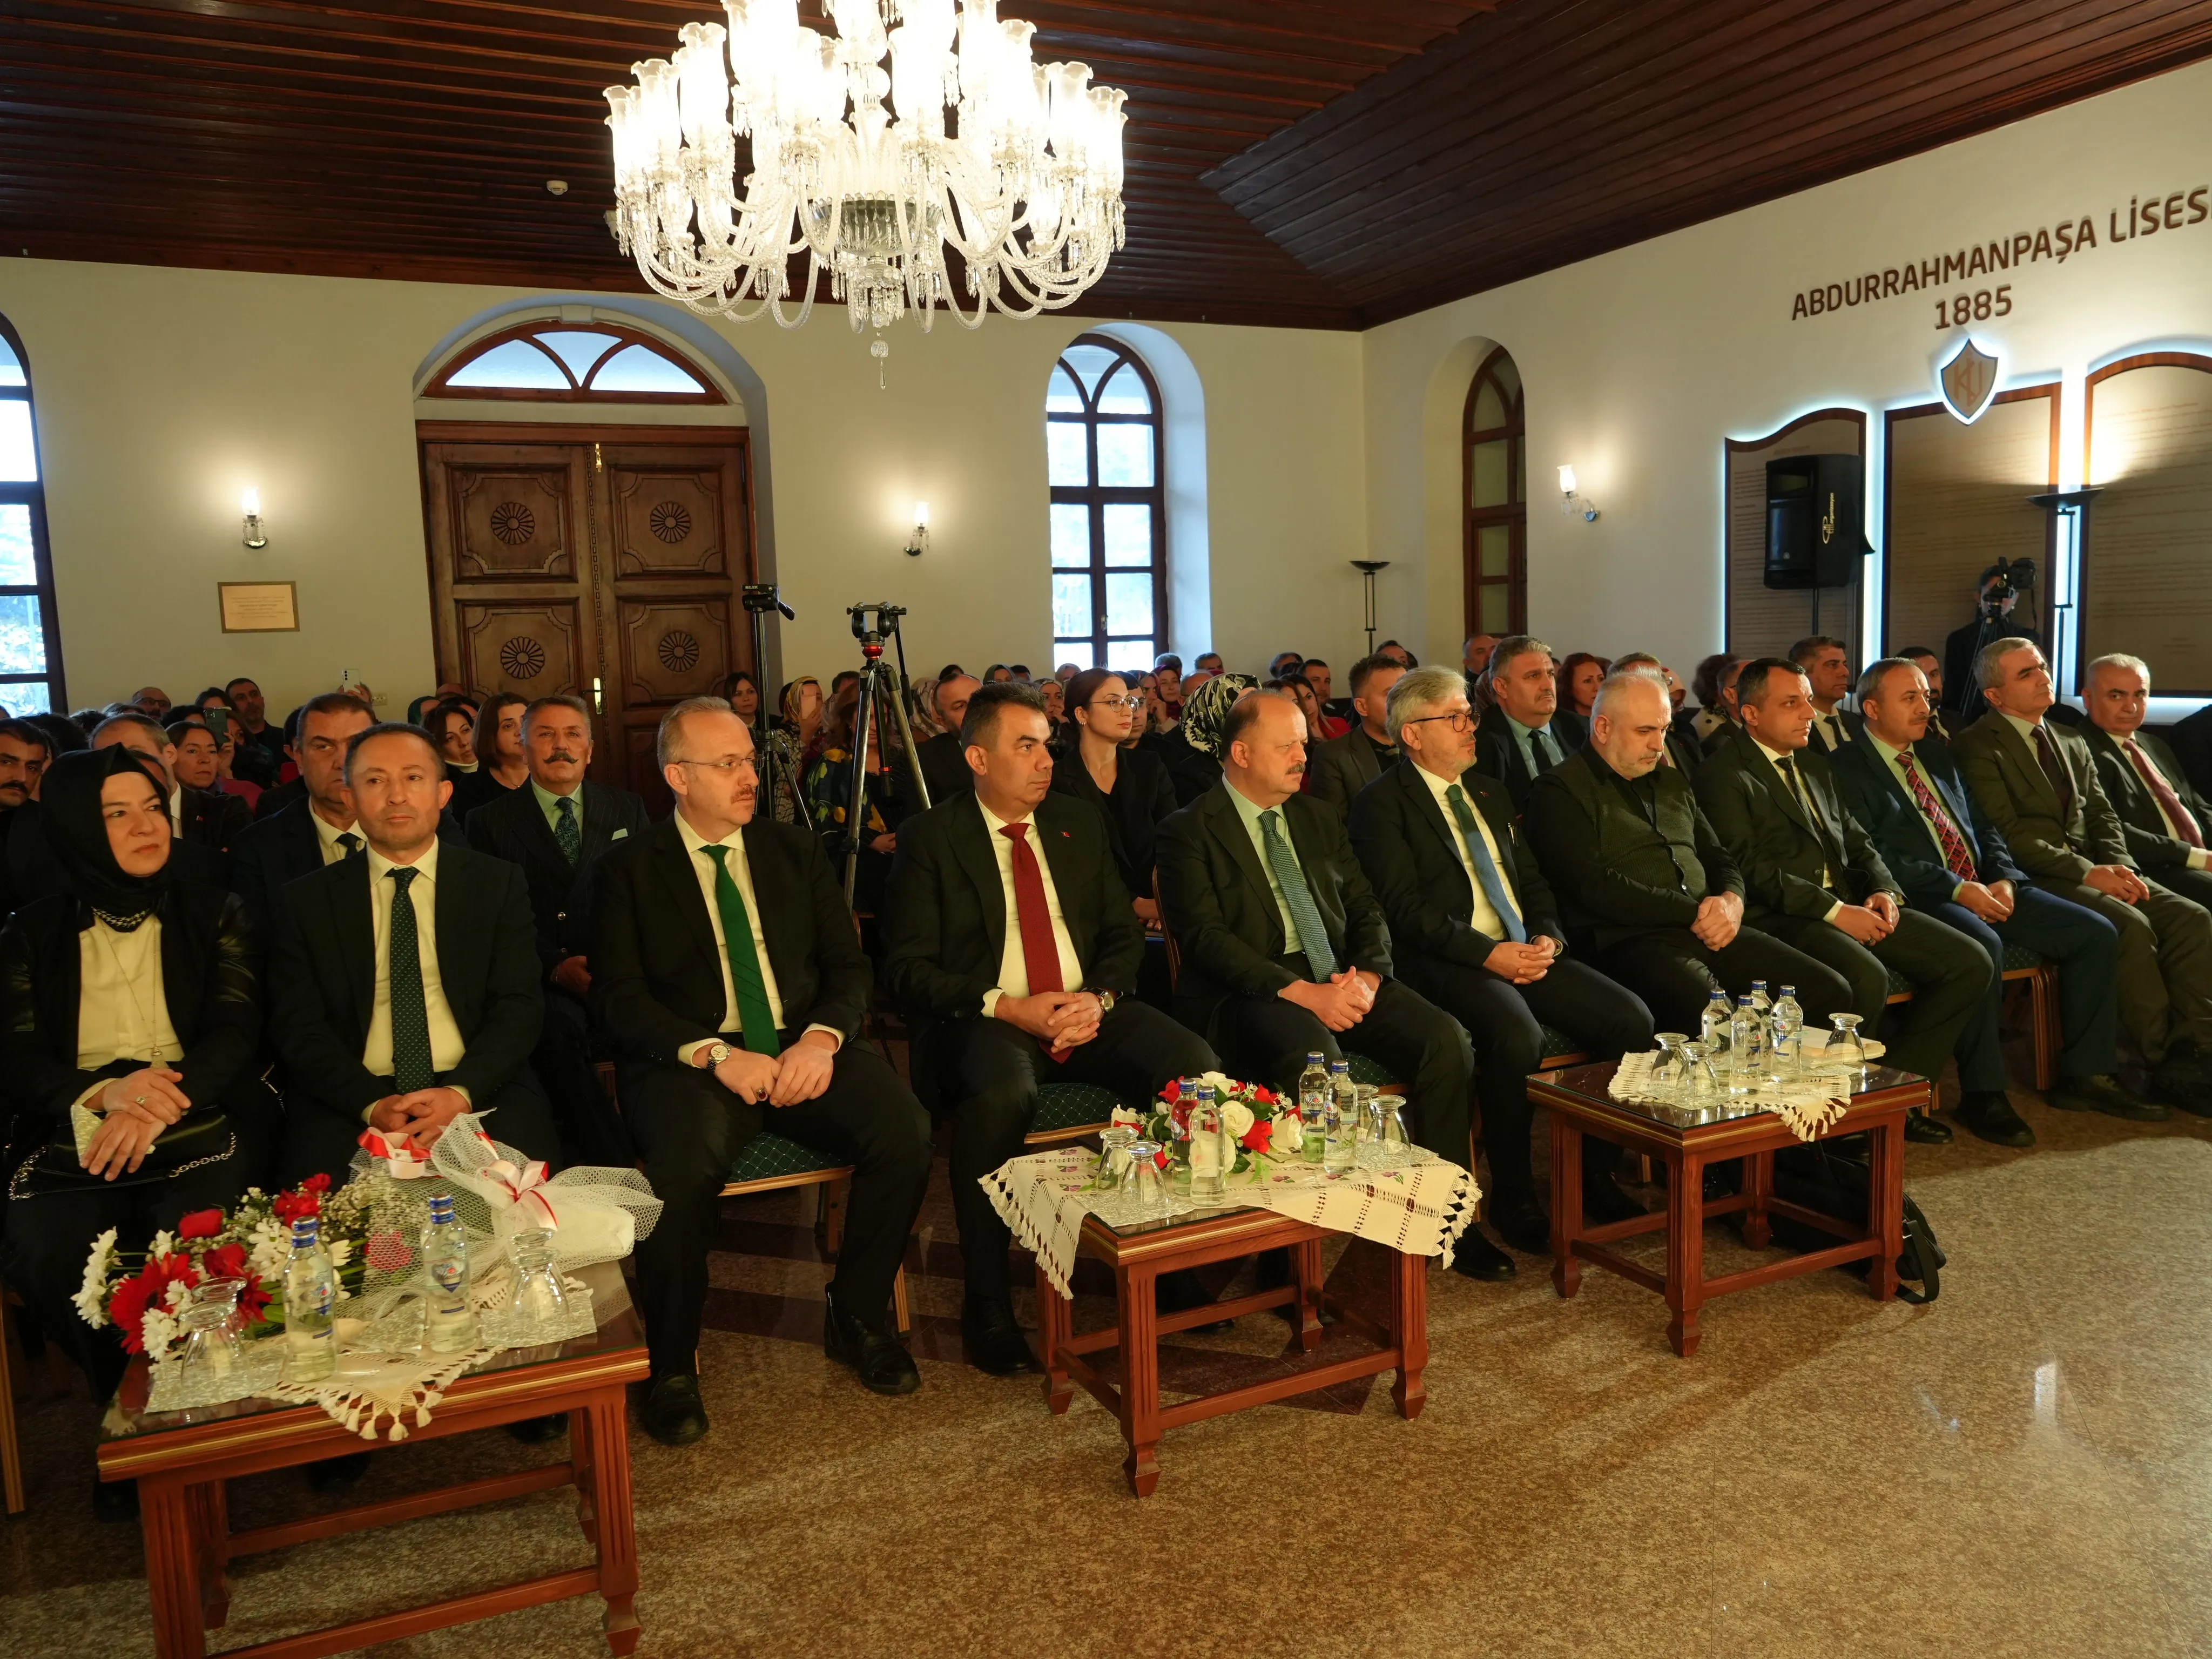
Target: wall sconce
{"points": [[253, 535], [920, 543], [1571, 502]]}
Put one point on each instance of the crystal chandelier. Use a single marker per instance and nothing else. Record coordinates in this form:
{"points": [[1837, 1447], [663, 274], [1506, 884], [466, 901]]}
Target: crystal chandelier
{"points": [[1015, 166]]}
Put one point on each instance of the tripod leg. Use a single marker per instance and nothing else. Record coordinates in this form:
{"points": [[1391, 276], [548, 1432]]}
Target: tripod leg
{"points": [[856, 803]]}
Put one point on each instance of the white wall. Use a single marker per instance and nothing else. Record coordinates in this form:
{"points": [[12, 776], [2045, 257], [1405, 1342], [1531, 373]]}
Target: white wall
{"points": [[161, 393], [1640, 363]]}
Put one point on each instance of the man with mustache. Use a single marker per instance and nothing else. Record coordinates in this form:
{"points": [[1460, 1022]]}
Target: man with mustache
{"points": [[24, 753], [556, 827]]}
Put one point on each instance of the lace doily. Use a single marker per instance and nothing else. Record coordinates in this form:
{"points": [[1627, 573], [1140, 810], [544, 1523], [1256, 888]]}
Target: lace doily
{"points": [[1808, 1105]]}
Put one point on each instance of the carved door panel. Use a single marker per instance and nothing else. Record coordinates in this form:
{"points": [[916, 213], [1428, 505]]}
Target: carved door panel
{"points": [[604, 563]]}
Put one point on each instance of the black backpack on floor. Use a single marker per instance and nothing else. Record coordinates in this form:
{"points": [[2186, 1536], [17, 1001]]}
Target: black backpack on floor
{"points": [[1836, 1178]]}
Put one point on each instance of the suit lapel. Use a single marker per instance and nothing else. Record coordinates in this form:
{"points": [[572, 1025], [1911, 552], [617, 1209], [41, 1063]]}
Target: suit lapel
{"points": [[535, 829], [775, 885], [353, 915], [1429, 811], [599, 824], [971, 846], [674, 865], [2027, 762], [1499, 814], [1056, 846], [1952, 795], [1227, 824]]}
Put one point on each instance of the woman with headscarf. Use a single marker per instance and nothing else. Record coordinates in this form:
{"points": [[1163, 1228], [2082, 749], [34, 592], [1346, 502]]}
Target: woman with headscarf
{"points": [[128, 1007], [1194, 764]]}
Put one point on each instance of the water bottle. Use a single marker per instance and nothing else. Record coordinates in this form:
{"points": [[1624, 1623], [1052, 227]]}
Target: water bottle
{"points": [[1789, 1020], [449, 1323], [310, 1286], [1313, 1110], [1761, 1004], [1209, 1174], [1342, 1152], [1713, 1025], [1746, 1033]]}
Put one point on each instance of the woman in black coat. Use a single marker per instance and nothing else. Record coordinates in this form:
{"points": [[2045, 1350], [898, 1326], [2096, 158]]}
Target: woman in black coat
{"points": [[1131, 786], [125, 1003]]}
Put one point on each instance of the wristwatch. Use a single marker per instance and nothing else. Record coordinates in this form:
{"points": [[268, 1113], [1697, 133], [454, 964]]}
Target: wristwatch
{"points": [[717, 1053], [1106, 1000]]}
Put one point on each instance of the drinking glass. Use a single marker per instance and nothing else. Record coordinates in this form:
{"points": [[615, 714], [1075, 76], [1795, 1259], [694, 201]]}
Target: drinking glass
{"points": [[1147, 1190], [1671, 1071], [1113, 1171], [1697, 1067], [212, 1352], [538, 1296], [1391, 1140], [1845, 1053]]}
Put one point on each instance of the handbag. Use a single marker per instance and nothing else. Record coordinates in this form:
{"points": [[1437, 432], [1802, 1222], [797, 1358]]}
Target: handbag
{"points": [[201, 1136]]}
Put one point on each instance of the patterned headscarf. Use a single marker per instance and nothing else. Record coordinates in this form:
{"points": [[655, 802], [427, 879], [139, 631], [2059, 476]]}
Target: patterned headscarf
{"points": [[1207, 710]]}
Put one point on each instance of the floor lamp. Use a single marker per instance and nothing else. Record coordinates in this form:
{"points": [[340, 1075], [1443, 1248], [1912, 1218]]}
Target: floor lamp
{"points": [[1367, 568]]}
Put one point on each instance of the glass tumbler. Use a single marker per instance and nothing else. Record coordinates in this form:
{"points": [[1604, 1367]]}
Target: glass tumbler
{"points": [[1670, 1072], [1147, 1189], [1369, 1096], [1113, 1170], [1703, 1084], [212, 1353], [1845, 1053], [1391, 1140], [538, 1296]]}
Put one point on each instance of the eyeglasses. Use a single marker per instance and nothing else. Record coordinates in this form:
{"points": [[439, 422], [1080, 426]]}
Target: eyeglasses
{"points": [[725, 767], [1459, 721], [1132, 700]]}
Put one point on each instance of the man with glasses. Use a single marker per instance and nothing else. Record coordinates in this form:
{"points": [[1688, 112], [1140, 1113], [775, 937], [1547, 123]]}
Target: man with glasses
{"points": [[1521, 737], [1473, 929], [727, 972]]}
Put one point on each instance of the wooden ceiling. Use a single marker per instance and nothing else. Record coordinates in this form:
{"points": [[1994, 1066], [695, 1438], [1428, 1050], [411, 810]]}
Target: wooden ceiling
{"points": [[1319, 163]]}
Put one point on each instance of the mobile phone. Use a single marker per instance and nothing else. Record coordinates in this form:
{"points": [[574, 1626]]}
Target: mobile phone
{"points": [[218, 722]]}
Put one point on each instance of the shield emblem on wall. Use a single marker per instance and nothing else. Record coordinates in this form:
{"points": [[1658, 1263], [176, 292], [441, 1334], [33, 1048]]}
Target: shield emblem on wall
{"points": [[1968, 380]]}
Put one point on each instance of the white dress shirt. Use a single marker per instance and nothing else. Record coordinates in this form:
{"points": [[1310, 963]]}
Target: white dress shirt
{"points": [[741, 872], [327, 834], [1829, 730], [2198, 856], [176, 813], [1013, 964], [1803, 796], [446, 1045], [1484, 917]]}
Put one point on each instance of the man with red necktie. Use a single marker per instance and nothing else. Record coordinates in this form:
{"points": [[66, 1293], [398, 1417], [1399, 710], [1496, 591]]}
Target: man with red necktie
{"points": [[1009, 939], [2166, 822]]}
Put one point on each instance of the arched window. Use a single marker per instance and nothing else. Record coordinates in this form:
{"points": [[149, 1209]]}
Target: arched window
{"points": [[30, 637], [1109, 595], [1497, 498], [558, 363]]}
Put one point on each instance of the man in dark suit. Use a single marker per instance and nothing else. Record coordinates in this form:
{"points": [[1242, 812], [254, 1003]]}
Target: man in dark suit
{"points": [[726, 969], [1285, 947], [555, 829], [1472, 928], [943, 758], [403, 982], [2037, 783], [2167, 823], [1826, 663], [1681, 750], [1344, 765], [1906, 788], [1522, 736], [1941, 726], [1646, 890], [1009, 939], [271, 853], [1813, 880], [2190, 740]]}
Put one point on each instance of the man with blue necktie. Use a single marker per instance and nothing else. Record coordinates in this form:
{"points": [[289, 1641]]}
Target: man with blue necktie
{"points": [[1523, 735]]}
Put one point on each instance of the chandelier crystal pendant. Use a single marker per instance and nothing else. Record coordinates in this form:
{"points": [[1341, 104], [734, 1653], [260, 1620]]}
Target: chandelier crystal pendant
{"points": [[1014, 166]]}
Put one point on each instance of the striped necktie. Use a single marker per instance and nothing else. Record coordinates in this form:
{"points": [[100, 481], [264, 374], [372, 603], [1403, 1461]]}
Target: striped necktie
{"points": [[1956, 858]]}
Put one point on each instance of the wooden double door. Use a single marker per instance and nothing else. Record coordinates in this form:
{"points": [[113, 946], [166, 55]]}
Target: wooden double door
{"points": [[603, 561]]}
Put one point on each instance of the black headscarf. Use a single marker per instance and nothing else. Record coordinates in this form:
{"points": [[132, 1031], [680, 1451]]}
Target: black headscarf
{"points": [[69, 801]]}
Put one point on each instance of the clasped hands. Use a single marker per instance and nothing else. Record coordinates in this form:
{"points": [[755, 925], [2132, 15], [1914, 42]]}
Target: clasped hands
{"points": [[1058, 1020], [1991, 901], [134, 1109], [419, 1116], [1341, 1003], [1523, 964], [2122, 883], [1869, 923], [800, 1072]]}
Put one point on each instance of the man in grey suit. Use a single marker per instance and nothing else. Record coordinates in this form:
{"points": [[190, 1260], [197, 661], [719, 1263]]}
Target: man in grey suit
{"points": [[1344, 765], [2038, 782], [2166, 822]]}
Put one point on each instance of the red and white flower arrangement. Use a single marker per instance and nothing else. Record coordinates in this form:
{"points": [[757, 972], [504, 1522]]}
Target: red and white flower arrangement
{"points": [[1258, 1121]]}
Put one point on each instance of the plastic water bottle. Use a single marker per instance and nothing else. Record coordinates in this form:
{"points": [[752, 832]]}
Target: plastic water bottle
{"points": [[1789, 1022], [1747, 1037], [1313, 1110], [1342, 1152], [1713, 1025], [1761, 1004], [310, 1286], [449, 1323], [1209, 1174]]}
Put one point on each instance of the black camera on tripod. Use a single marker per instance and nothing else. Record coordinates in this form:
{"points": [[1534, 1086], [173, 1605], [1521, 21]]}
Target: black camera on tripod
{"points": [[885, 623]]}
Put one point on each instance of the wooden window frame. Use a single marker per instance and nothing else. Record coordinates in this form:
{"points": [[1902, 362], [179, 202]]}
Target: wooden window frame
{"points": [[576, 391], [33, 494], [1098, 496], [1514, 514]]}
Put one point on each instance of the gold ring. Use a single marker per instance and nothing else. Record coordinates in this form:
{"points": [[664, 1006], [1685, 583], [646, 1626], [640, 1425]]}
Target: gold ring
{"points": [[140, 1101]]}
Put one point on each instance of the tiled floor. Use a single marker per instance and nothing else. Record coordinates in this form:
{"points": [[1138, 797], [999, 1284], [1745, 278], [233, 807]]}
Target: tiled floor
{"points": [[2023, 1469]]}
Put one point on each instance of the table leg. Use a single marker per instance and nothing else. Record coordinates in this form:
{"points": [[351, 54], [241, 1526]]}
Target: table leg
{"points": [[1409, 1305], [1886, 1203], [210, 1507], [617, 1538], [1306, 1274], [1685, 1249], [1759, 1166], [1566, 1203], [1055, 1325], [581, 1457], [1140, 1376], [166, 1518]]}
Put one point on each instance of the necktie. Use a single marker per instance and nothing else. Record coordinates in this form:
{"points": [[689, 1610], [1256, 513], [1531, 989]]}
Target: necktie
{"points": [[1956, 858], [1835, 725], [1313, 937], [565, 830], [1033, 915], [1539, 748], [755, 1019], [2054, 769], [1804, 797], [410, 1018], [2183, 823], [351, 842], [1485, 867]]}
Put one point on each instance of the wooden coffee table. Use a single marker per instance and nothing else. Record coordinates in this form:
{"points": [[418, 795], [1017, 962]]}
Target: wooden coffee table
{"points": [[1139, 1256], [1688, 1140], [181, 1460]]}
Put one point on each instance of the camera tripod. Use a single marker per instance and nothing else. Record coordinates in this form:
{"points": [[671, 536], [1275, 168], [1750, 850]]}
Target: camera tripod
{"points": [[779, 781], [882, 687]]}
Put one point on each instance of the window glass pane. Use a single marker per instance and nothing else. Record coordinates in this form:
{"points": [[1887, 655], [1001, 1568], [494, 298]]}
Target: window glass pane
{"points": [[11, 366], [1520, 469], [1067, 460], [1128, 534], [1125, 394], [1133, 654], [1089, 362], [22, 642], [1493, 550], [1489, 409], [22, 697], [634, 368], [1125, 456], [1492, 608], [517, 365], [19, 567], [1488, 486], [1509, 377], [1061, 397], [19, 460], [1129, 603], [1070, 606], [1078, 652], [578, 347], [1070, 536]]}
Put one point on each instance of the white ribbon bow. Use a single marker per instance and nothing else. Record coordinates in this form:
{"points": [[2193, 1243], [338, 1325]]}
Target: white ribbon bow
{"points": [[405, 1161], [523, 1182]]}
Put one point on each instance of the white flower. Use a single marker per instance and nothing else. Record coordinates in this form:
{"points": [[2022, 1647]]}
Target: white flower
{"points": [[164, 1243], [1236, 1120], [340, 1251], [92, 1297], [266, 1248], [1287, 1136], [157, 1333], [1123, 1115], [1220, 1083]]}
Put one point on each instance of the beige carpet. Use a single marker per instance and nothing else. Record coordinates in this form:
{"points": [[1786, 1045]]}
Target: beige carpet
{"points": [[2024, 1469]]}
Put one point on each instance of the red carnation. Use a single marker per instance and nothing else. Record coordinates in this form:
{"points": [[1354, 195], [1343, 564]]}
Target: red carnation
{"points": [[1257, 1137], [200, 1224], [254, 1302], [1173, 1092], [1265, 1097], [143, 1289], [224, 1261], [306, 1198]]}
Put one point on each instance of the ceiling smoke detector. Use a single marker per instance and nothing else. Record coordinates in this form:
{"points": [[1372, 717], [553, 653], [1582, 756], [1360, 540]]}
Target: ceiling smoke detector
{"points": [[556, 186]]}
